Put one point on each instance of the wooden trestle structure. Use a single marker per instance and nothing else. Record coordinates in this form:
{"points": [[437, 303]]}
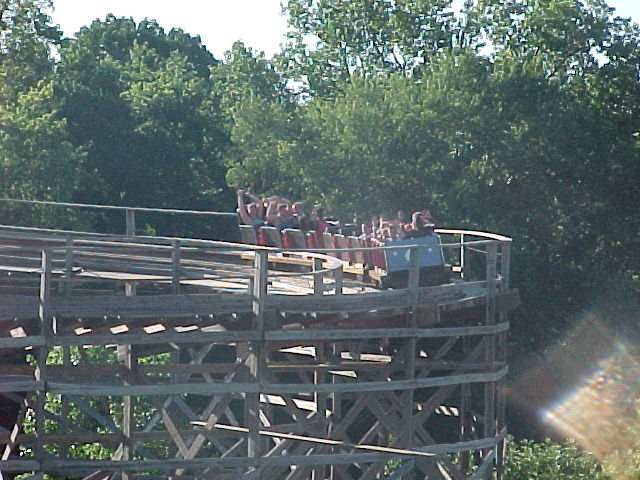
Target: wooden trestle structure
{"points": [[148, 357]]}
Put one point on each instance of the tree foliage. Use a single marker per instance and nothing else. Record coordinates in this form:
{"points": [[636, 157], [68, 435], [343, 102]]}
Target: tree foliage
{"points": [[37, 160], [26, 39], [549, 461], [246, 75], [141, 102], [332, 42]]}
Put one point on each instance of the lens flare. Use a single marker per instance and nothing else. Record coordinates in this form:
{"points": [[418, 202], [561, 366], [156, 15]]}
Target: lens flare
{"points": [[599, 411]]}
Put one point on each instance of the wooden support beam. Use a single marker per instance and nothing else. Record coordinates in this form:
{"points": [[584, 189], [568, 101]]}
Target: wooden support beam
{"points": [[318, 277], [490, 342], [46, 331], [68, 266], [176, 254], [410, 348], [255, 359]]}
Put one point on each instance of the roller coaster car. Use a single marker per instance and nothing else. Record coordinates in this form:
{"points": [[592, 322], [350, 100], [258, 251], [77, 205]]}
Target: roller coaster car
{"points": [[388, 268], [433, 270]]}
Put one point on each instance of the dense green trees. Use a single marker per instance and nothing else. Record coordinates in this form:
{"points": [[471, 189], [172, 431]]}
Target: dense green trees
{"points": [[37, 158], [333, 42], [548, 461], [141, 102], [126, 113], [26, 39]]}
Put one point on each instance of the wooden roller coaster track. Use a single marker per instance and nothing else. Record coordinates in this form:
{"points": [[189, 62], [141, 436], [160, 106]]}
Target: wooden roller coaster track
{"points": [[154, 357]]}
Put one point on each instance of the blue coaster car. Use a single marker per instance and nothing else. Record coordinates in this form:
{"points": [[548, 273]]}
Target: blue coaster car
{"points": [[433, 270]]}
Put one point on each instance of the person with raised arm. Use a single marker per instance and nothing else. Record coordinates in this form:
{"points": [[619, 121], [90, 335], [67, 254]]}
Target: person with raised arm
{"points": [[250, 213], [279, 213], [421, 226]]}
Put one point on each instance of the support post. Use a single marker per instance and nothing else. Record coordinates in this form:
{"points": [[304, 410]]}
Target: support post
{"points": [[318, 277], [338, 275], [66, 354], [46, 330], [130, 219], [462, 256], [336, 407], [465, 414], [68, 266], [130, 362], [128, 419], [320, 377], [255, 359], [412, 319], [501, 406], [505, 261], [334, 352], [64, 404], [175, 266], [490, 350]]}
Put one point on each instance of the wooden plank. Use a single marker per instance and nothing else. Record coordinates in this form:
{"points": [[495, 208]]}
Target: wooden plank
{"points": [[18, 384], [269, 335], [141, 306], [203, 304], [345, 334], [142, 338], [279, 388], [383, 454]]}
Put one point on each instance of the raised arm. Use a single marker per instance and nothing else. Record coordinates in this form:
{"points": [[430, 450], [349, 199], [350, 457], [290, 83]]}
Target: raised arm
{"points": [[272, 213], [258, 201], [242, 209], [253, 197]]}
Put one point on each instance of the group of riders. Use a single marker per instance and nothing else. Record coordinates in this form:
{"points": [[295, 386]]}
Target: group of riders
{"points": [[279, 212]]}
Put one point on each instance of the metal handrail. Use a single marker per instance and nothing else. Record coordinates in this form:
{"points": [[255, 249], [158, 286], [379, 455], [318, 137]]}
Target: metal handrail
{"points": [[117, 207]]}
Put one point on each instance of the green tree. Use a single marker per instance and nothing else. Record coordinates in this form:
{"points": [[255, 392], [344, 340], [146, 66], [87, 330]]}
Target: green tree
{"points": [[26, 39], [332, 41], [549, 461], [37, 160], [178, 133], [494, 146], [141, 101], [563, 37], [265, 155], [244, 75]]}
